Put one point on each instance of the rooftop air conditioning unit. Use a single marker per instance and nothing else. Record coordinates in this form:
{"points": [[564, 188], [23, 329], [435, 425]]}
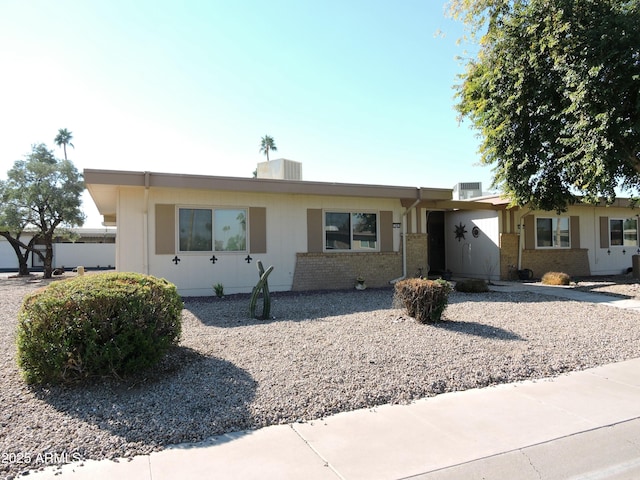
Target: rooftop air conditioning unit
{"points": [[280, 169], [467, 190]]}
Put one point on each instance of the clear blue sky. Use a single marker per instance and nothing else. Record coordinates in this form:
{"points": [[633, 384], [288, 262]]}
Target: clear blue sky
{"points": [[359, 91]]}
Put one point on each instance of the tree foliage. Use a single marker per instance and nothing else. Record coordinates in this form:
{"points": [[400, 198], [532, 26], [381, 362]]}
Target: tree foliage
{"points": [[13, 223], [555, 95], [41, 194]]}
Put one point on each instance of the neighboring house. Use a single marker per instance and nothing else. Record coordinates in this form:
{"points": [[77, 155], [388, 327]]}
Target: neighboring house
{"points": [[93, 248], [585, 240], [197, 231]]}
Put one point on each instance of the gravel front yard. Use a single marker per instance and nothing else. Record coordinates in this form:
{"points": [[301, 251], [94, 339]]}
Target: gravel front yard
{"points": [[323, 353]]}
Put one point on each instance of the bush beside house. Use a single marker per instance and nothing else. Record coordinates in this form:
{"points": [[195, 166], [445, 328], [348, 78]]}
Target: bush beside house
{"points": [[110, 324]]}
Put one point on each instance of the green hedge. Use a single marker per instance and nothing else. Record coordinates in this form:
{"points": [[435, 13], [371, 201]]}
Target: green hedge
{"points": [[109, 324], [425, 300]]}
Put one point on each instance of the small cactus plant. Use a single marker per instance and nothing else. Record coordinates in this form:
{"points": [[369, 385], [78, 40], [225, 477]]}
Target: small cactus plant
{"points": [[261, 287]]}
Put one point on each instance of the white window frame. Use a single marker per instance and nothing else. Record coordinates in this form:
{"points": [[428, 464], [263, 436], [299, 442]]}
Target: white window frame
{"points": [[554, 237], [213, 225], [351, 239]]}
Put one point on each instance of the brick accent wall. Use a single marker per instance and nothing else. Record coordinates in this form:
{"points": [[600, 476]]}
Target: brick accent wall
{"points": [[417, 253], [336, 271], [574, 262], [508, 253]]}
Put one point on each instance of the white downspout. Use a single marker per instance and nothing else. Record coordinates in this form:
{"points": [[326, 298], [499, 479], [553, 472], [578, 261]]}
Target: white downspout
{"points": [[145, 225], [404, 239]]}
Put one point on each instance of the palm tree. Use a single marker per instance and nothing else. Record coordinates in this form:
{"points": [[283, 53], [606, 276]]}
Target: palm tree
{"points": [[267, 144], [63, 139]]}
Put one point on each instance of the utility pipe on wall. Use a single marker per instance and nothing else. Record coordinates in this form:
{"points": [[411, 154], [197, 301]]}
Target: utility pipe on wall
{"points": [[145, 225]]}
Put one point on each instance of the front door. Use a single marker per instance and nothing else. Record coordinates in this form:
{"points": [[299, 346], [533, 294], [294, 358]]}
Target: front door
{"points": [[435, 233]]}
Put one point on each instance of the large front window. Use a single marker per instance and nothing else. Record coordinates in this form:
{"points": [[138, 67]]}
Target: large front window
{"points": [[230, 230], [623, 232], [217, 229], [552, 232], [195, 230], [351, 231]]}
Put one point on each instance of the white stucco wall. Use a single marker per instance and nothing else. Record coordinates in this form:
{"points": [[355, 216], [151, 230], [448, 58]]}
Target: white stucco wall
{"points": [[195, 274], [476, 257]]}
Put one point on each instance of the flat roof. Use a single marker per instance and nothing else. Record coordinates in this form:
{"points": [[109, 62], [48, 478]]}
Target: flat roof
{"points": [[103, 185]]}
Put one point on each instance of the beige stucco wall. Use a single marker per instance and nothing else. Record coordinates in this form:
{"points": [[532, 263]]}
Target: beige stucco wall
{"points": [[286, 218], [195, 274]]}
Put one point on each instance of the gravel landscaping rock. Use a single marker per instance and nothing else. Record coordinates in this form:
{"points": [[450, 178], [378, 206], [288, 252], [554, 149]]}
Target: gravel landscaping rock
{"points": [[323, 353]]}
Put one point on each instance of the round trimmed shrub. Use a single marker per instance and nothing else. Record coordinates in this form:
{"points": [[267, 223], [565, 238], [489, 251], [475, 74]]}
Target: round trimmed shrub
{"points": [[555, 278], [109, 324]]}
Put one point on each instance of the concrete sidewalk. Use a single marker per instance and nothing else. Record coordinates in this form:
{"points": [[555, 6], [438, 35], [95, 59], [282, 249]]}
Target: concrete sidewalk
{"points": [[579, 425], [569, 293]]}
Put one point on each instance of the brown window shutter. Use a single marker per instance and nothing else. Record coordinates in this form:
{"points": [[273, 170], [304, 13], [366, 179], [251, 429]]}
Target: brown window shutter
{"points": [[258, 230], [386, 231], [529, 232], [604, 232], [575, 231], [315, 235], [165, 229]]}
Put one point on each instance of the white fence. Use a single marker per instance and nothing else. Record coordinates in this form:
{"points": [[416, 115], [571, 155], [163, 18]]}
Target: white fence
{"points": [[67, 255]]}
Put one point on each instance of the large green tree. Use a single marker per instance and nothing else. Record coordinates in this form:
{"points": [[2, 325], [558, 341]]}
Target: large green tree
{"points": [[41, 197], [555, 95], [267, 144]]}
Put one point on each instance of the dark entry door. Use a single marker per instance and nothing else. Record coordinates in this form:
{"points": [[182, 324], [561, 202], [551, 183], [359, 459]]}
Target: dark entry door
{"points": [[435, 230]]}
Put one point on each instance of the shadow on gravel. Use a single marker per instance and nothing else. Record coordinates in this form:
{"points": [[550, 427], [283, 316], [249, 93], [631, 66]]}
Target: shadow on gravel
{"points": [[233, 311], [502, 296], [478, 330], [597, 289], [187, 398], [601, 283]]}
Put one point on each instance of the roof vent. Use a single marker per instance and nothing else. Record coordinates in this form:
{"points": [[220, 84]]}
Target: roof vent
{"points": [[467, 190], [280, 169]]}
